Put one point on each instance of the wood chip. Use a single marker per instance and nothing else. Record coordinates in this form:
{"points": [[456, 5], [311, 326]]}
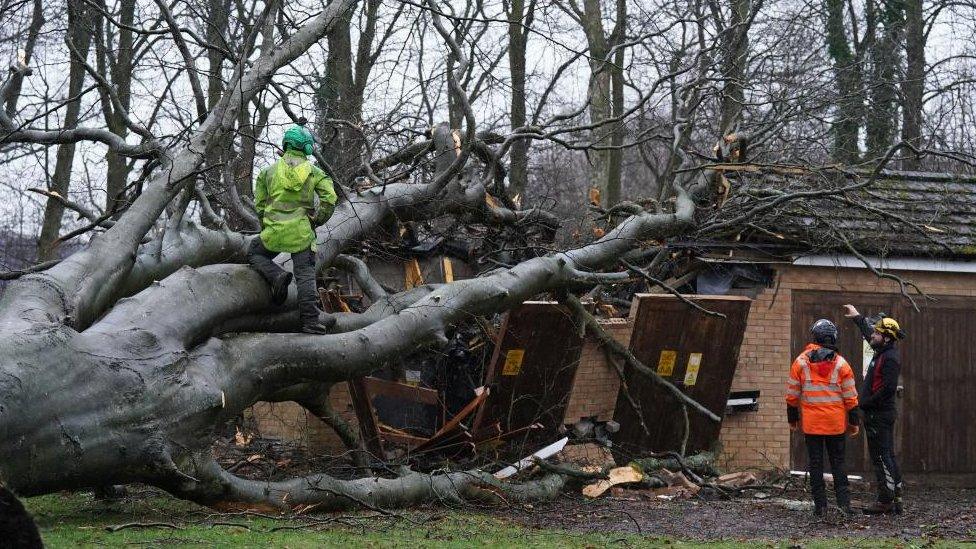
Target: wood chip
{"points": [[619, 475]]}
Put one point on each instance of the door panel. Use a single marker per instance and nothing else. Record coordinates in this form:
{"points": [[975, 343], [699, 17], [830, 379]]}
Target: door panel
{"points": [[939, 375], [808, 307], [936, 428]]}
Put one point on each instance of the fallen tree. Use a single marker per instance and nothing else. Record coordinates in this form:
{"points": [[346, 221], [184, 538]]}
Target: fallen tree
{"points": [[121, 363]]}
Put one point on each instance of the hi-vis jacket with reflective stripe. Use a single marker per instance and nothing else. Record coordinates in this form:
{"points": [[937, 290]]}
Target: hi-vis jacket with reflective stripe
{"points": [[823, 390], [284, 196]]}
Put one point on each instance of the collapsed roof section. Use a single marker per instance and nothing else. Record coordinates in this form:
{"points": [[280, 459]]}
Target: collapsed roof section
{"points": [[888, 214]]}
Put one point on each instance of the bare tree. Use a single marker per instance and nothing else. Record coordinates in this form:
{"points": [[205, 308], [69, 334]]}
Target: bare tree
{"points": [[78, 38], [122, 362], [520, 20]]}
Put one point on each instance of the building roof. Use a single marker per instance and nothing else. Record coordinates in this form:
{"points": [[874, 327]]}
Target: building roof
{"points": [[901, 214]]}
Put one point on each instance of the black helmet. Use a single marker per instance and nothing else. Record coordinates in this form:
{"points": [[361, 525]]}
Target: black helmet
{"points": [[824, 332]]}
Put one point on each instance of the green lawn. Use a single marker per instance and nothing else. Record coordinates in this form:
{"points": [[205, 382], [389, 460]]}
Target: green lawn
{"points": [[76, 520]]}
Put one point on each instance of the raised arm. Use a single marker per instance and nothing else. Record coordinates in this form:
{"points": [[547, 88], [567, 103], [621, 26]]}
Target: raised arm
{"points": [[860, 321]]}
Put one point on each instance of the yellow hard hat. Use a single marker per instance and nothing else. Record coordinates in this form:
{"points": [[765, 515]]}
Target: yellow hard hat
{"points": [[889, 327]]}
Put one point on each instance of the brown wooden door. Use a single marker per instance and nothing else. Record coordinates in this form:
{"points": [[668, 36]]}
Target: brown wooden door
{"points": [[938, 405], [936, 427], [531, 374], [808, 307], [670, 336]]}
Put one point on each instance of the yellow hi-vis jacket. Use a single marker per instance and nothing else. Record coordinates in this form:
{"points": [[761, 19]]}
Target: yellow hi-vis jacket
{"points": [[824, 391], [285, 196]]}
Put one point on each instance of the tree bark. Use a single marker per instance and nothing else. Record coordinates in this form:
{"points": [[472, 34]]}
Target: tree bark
{"points": [[734, 56], [601, 95], [885, 60]]}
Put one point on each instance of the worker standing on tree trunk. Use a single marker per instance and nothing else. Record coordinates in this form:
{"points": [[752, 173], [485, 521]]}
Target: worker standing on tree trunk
{"points": [[821, 394], [292, 197], [878, 392]]}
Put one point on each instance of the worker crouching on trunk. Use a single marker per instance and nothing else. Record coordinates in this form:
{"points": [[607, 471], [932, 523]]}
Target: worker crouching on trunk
{"points": [[878, 391], [821, 397], [292, 197]]}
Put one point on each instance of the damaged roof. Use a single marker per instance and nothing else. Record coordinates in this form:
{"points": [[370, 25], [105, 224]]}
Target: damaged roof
{"points": [[916, 214]]}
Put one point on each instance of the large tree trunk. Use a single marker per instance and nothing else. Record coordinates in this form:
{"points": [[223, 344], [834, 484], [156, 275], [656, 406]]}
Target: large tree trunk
{"points": [[849, 107], [603, 97], [339, 97], [79, 33], [735, 53], [913, 87], [882, 121], [117, 174], [519, 21]]}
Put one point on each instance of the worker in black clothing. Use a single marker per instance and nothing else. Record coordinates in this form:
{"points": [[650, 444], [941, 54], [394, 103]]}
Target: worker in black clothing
{"points": [[877, 403]]}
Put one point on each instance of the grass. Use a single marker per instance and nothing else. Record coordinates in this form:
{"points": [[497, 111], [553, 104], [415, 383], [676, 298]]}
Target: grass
{"points": [[76, 520]]}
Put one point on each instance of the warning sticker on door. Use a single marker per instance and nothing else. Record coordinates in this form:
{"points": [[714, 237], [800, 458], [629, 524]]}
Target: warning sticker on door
{"points": [[513, 362], [665, 365], [691, 373]]}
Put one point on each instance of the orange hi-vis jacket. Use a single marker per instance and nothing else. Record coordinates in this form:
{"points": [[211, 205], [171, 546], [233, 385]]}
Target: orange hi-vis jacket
{"points": [[824, 391]]}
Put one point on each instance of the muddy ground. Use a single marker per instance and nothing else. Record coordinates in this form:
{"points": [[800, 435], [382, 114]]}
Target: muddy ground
{"points": [[934, 513], [930, 513]]}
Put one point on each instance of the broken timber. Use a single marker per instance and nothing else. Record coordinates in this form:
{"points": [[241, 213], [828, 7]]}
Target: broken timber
{"points": [[531, 372]]}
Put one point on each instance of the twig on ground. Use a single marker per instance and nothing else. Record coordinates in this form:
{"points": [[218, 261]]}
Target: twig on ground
{"points": [[118, 527]]}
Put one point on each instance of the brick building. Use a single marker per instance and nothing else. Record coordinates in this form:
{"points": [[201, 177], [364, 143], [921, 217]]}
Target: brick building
{"points": [[936, 433], [927, 237]]}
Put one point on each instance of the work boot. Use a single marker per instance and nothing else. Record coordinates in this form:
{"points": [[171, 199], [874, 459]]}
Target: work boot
{"points": [[279, 288], [314, 328], [880, 508]]}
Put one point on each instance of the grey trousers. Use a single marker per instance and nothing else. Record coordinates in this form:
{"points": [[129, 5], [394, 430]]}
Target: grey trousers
{"points": [[303, 267]]}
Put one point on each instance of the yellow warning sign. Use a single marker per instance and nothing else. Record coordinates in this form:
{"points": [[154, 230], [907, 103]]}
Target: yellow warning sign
{"points": [[513, 362], [691, 373], [665, 365]]}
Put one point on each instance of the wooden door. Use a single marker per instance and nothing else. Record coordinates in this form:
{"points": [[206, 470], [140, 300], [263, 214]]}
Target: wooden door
{"points": [[531, 373], [808, 307], [938, 405], [936, 427], [670, 336]]}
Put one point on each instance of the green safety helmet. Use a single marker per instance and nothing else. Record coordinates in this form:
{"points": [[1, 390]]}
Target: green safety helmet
{"points": [[298, 138]]}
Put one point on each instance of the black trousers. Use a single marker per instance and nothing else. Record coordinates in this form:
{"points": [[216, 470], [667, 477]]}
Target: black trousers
{"points": [[880, 429], [303, 267], [835, 446]]}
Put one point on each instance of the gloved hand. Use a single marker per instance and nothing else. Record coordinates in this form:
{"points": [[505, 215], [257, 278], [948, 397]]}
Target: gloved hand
{"points": [[853, 430], [794, 426]]}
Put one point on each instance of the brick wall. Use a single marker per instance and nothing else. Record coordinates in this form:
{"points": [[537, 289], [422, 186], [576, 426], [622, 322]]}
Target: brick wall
{"points": [[597, 383], [761, 439], [289, 421]]}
